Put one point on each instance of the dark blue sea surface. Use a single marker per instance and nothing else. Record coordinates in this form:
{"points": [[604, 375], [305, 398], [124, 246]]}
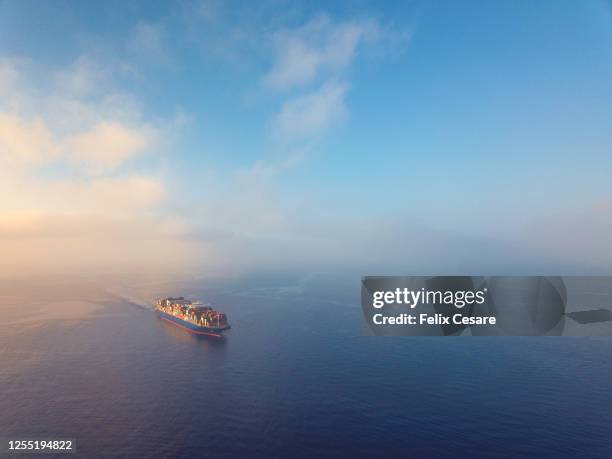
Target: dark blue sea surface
{"points": [[296, 378]]}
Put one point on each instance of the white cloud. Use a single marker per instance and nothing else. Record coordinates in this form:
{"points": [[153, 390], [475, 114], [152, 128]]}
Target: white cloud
{"points": [[97, 149], [107, 145], [208, 10], [84, 76], [319, 46], [149, 42], [93, 146], [8, 76], [69, 122], [80, 199], [66, 201], [311, 114], [317, 53], [24, 142], [101, 196]]}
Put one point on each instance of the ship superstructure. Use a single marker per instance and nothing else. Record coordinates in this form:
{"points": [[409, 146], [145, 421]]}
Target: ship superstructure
{"points": [[192, 315]]}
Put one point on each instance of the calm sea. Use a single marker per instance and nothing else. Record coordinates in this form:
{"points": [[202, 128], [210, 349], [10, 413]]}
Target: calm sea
{"points": [[294, 378]]}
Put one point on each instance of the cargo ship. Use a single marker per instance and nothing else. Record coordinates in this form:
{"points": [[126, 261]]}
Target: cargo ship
{"points": [[192, 316]]}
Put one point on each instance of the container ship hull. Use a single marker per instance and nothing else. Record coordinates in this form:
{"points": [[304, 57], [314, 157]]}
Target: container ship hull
{"points": [[191, 327], [192, 316]]}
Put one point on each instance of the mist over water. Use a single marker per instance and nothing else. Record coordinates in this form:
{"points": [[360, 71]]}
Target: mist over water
{"points": [[294, 377]]}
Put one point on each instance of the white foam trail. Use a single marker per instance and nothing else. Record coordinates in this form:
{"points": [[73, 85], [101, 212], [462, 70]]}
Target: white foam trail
{"points": [[132, 299]]}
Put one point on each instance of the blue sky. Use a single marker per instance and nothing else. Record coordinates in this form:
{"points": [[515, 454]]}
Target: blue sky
{"points": [[311, 134]]}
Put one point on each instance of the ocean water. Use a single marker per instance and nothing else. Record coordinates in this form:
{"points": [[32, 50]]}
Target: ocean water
{"points": [[294, 378]]}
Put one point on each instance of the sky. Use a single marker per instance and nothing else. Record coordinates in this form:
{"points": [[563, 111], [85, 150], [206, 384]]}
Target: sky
{"points": [[224, 138]]}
